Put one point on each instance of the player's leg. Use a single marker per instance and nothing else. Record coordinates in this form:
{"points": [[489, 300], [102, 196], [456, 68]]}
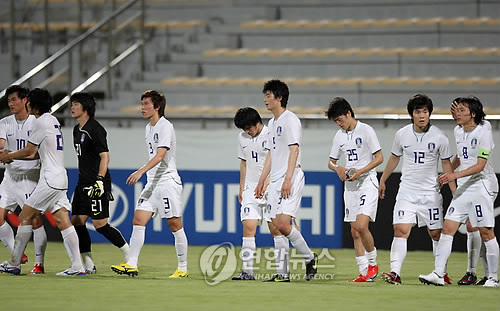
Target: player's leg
{"points": [[6, 233], [248, 249], [70, 239], [492, 255], [281, 251], [112, 234], [367, 248], [181, 246], [85, 244], [40, 241], [141, 218], [398, 252], [443, 252], [21, 240], [359, 251], [81, 210]]}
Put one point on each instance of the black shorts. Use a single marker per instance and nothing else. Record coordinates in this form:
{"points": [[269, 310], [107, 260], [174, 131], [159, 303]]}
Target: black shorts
{"points": [[83, 205]]}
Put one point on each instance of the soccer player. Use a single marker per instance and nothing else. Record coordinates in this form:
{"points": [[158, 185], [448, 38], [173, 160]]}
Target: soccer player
{"points": [[50, 192], [286, 176], [418, 202], [475, 246], [21, 176], [476, 190], [162, 193], [359, 144], [93, 191], [252, 152]]}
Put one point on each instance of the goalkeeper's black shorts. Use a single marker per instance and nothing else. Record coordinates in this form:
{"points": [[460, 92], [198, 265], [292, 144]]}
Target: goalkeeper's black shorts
{"points": [[83, 205]]}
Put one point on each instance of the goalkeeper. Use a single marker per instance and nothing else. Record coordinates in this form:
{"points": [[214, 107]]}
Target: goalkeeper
{"points": [[93, 191]]}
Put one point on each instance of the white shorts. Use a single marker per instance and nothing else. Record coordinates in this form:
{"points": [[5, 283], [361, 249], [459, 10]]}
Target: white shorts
{"points": [[477, 206], [253, 208], [421, 209], [277, 205], [46, 198], [14, 190], [361, 199], [163, 198]]}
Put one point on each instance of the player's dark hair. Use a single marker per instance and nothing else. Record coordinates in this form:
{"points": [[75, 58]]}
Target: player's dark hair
{"points": [[339, 106], [21, 91], [279, 89], [475, 107], [86, 100], [419, 101], [158, 99], [246, 118], [40, 100]]}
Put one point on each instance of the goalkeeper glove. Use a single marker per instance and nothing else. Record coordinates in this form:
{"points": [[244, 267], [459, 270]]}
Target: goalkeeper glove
{"points": [[97, 190]]}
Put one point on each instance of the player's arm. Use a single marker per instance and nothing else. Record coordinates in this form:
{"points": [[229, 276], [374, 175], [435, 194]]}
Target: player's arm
{"points": [[243, 174], [391, 165], [103, 164], [2, 143], [261, 188], [29, 152], [293, 155], [377, 159], [159, 156], [474, 169], [448, 168], [455, 163], [340, 170]]}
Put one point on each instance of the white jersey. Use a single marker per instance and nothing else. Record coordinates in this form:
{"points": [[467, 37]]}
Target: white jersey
{"points": [[421, 153], [284, 132], [162, 135], [16, 134], [358, 146], [477, 143], [47, 136], [253, 150]]}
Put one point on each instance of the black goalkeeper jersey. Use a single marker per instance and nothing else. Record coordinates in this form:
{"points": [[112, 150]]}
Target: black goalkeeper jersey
{"points": [[89, 141]]}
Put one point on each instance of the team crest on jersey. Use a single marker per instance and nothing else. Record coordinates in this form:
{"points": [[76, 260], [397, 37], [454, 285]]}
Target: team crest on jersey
{"points": [[431, 147], [473, 143], [279, 130], [155, 138], [82, 138], [359, 142]]}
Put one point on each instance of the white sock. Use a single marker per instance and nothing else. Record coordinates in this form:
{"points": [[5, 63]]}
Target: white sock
{"points": [[300, 244], [7, 236], [124, 250], [71, 243], [281, 253], [492, 253], [247, 254], [88, 263], [443, 252], [181, 248], [398, 254], [362, 262], [484, 260], [473, 247], [22, 238], [40, 241], [136, 243], [372, 257]]}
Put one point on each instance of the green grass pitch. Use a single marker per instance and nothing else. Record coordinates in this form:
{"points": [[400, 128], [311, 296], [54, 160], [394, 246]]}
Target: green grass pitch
{"points": [[153, 290]]}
